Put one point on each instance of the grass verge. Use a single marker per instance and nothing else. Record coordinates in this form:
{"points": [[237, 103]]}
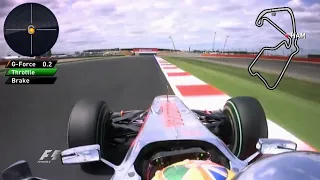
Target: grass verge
{"points": [[294, 105]]}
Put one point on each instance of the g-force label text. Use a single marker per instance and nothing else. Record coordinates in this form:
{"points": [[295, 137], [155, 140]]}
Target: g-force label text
{"points": [[21, 64]]}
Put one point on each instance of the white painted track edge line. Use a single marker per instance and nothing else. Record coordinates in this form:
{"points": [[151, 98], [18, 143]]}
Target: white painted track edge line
{"points": [[173, 87]]}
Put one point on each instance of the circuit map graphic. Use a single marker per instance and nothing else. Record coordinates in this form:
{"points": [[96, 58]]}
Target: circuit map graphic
{"points": [[292, 41]]}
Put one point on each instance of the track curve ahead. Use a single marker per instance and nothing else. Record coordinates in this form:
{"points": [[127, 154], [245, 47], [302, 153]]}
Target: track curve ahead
{"points": [[34, 117]]}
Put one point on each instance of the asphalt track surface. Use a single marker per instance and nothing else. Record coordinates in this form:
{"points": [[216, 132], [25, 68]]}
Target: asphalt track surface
{"points": [[299, 70], [34, 117]]}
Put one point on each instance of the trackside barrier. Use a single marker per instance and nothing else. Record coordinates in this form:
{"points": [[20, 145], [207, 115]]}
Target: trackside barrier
{"points": [[283, 58], [197, 94]]}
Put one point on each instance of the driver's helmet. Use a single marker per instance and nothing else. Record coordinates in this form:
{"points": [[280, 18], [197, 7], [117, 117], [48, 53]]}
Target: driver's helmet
{"points": [[194, 170]]}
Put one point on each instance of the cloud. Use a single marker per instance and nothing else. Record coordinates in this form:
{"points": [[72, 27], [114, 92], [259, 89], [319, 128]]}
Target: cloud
{"points": [[5, 5], [92, 24]]}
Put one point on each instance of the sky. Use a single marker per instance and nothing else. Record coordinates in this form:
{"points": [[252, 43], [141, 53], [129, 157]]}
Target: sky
{"points": [[95, 24]]}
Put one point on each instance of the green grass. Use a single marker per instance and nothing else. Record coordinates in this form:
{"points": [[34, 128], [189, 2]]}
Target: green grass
{"points": [[294, 105]]}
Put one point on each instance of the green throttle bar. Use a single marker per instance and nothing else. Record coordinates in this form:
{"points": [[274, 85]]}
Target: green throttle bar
{"points": [[31, 72]]}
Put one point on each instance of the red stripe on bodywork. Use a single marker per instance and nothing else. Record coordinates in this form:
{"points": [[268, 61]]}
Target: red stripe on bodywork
{"points": [[170, 67], [179, 74], [199, 90], [171, 114]]}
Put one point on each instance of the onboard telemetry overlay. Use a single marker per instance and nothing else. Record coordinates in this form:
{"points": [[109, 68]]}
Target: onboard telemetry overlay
{"points": [[37, 30], [31, 72], [292, 40], [34, 36]]}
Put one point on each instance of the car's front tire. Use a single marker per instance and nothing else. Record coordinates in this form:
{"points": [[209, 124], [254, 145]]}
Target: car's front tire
{"points": [[88, 123], [247, 121]]}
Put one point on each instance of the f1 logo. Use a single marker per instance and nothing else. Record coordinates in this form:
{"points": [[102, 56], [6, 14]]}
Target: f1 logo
{"points": [[49, 155]]}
